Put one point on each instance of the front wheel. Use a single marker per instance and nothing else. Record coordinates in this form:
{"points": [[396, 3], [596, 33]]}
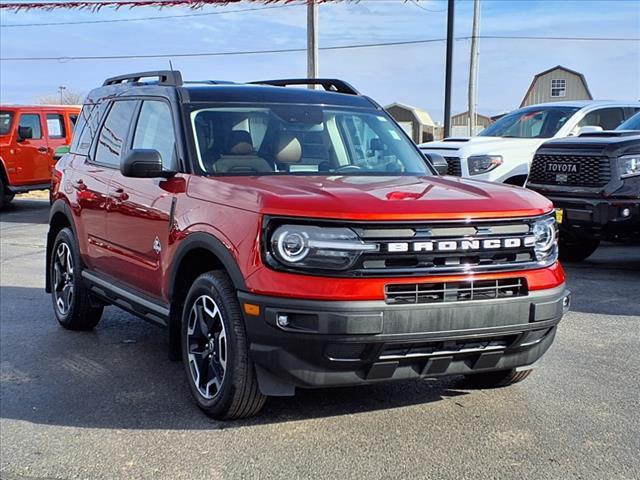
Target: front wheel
{"points": [[221, 376], [501, 378], [577, 250]]}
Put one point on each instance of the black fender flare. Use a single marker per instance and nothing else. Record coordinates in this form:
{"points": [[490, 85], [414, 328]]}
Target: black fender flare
{"points": [[208, 242], [58, 207]]}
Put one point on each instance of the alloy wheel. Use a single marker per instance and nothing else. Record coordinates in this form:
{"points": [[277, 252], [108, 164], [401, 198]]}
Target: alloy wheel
{"points": [[63, 279], [206, 346]]}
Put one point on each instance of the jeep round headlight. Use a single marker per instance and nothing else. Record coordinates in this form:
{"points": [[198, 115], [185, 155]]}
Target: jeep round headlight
{"points": [[483, 163], [629, 165], [319, 248], [546, 239]]}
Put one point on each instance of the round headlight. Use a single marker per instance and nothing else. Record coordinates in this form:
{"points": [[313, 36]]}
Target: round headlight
{"points": [[292, 246], [545, 237]]}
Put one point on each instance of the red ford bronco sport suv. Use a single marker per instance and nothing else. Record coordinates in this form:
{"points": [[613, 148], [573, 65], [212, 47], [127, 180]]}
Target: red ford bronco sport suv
{"points": [[294, 238], [30, 138]]}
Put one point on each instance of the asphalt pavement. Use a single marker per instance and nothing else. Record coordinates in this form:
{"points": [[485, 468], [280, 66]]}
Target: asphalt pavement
{"points": [[109, 405]]}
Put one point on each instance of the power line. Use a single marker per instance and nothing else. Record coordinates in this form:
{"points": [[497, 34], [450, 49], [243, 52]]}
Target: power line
{"points": [[297, 50], [415, 2], [140, 19]]}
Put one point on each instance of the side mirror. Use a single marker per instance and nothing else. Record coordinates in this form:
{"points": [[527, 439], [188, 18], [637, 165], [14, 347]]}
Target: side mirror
{"points": [[24, 133], [589, 129], [143, 163], [438, 162]]}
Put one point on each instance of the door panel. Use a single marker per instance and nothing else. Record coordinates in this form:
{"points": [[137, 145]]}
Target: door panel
{"points": [[30, 163], [137, 231]]}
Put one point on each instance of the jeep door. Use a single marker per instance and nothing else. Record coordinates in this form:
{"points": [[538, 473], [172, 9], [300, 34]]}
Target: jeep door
{"points": [[138, 223], [29, 164]]}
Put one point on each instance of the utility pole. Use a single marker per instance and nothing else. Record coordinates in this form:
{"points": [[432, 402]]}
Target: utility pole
{"points": [[61, 90], [473, 67], [312, 40], [448, 70]]}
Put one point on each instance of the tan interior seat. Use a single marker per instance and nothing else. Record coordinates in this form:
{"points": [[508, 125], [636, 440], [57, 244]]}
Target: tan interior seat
{"points": [[288, 149], [241, 157]]}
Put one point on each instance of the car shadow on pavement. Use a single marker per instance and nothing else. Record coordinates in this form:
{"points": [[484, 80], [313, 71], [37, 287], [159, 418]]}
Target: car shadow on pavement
{"points": [[26, 211], [119, 377], [607, 282]]}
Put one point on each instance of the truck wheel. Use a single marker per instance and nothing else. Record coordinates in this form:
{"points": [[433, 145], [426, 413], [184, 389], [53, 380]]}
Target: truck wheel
{"points": [[577, 250], [221, 376], [501, 378], [5, 198], [70, 297]]}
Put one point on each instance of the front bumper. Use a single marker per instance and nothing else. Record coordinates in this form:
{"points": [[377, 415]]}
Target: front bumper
{"points": [[328, 344], [600, 218]]}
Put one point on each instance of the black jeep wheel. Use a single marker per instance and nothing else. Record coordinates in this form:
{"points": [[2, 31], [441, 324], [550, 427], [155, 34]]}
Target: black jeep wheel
{"points": [[577, 249], [70, 297], [5, 198], [214, 350], [501, 378]]}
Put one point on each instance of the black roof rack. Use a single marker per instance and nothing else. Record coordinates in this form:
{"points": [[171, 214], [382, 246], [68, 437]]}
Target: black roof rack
{"points": [[329, 84], [171, 78]]}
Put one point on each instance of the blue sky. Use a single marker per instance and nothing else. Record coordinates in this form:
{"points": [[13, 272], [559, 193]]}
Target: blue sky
{"points": [[412, 74]]}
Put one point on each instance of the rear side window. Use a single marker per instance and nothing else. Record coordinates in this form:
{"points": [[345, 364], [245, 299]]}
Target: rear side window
{"points": [[6, 118], [73, 118], [155, 130], [607, 118], [32, 120], [114, 133], [55, 125]]}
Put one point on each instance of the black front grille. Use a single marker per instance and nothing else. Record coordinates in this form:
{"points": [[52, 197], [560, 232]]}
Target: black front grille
{"points": [[414, 293], [593, 170], [453, 166]]}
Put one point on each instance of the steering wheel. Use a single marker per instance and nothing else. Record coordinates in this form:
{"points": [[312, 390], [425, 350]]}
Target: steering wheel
{"points": [[348, 168]]}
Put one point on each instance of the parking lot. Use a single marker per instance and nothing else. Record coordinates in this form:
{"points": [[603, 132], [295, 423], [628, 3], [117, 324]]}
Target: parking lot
{"points": [[108, 404]]}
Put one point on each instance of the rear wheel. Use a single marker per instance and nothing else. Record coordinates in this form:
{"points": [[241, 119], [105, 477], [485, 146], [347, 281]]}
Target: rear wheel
{"points": [[215, 353], [501, 378], [71, 299], [577, 249]]}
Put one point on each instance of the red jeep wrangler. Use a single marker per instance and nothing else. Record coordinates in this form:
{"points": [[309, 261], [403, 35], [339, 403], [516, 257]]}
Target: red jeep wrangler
{"points": [[292, 237], [30, 138]]}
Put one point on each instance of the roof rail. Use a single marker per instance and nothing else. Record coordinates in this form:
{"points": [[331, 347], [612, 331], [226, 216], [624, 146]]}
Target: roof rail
{"points": [[329, 84], [171, 78]]}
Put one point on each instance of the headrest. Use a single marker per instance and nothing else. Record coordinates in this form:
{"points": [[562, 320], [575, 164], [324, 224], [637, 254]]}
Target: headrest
{"points": [[288, 149], [240, 142]]}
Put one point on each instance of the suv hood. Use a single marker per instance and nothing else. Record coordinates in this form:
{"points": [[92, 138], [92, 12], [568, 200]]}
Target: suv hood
{"points": [[482, 145], [371, 197]]}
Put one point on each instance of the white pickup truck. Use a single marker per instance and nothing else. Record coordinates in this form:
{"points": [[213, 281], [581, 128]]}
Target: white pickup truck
{"points": [[503, 152]]}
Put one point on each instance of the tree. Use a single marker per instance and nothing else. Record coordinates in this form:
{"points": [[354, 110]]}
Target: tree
{"points": [[66, 97]]}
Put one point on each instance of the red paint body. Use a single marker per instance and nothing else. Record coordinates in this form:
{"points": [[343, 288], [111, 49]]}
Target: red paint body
{"points": [[118, 218], [29, 162]]}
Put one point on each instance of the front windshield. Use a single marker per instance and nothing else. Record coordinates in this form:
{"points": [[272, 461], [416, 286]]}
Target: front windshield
{"points": [[538, 122], [631, 124], [302, 140], [6, 118]]}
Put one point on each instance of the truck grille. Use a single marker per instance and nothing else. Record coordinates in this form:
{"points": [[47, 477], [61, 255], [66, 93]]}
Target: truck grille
{"points": [[453, 166], [414, 293], [592, 170]]}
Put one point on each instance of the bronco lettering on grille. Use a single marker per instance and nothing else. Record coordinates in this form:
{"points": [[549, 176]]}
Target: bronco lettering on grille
{"points": [[460, 245]]}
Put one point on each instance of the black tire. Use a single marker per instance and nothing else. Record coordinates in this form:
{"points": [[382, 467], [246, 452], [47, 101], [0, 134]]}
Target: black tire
{"points": [[220, 373], [578, 249], [69, 295], [501, 378], [5, 198]]}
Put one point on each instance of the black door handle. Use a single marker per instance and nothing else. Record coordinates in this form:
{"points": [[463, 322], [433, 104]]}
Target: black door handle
{"points": [[43, 149]]}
